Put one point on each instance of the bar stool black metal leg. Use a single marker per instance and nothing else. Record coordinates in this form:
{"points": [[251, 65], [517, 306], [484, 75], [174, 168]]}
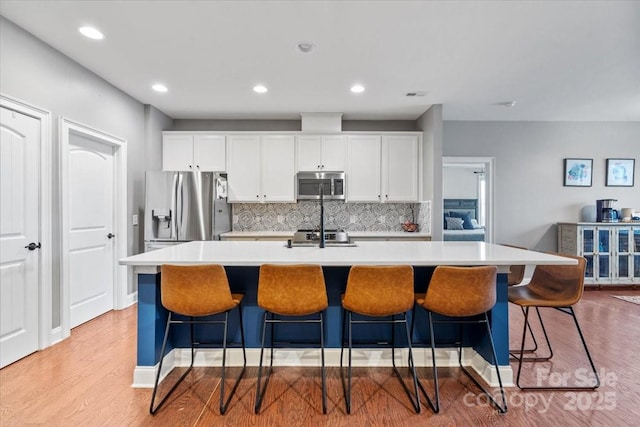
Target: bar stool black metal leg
{"points": [[224, 405], [348, 396], [412, 368], [324, 374], [566, 310], [503, 408], [153, 410], [260, 391], [435, 405]]}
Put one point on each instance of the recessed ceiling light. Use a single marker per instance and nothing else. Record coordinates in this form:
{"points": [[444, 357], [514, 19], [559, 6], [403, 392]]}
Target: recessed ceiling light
{"points": [[305, 47], [357, 88], [158, 87], [91, 33], [260, 89]]}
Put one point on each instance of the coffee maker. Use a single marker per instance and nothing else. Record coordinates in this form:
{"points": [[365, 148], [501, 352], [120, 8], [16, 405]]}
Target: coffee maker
{"points": [[605, 211]]}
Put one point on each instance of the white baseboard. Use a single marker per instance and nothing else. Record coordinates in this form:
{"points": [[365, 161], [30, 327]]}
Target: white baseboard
{"points": [[129, 300], [144, 376], [56, 336]]}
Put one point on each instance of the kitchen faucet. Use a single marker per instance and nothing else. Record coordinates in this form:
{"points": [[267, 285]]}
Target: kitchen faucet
{"points": [[322, 237]]}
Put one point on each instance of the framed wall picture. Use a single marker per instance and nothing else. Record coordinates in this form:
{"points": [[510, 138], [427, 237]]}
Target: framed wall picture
{"points": [[577, 172], [620, 172]]}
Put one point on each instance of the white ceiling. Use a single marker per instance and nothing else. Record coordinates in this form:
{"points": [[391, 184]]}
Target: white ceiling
{"points": [[562, 60]]}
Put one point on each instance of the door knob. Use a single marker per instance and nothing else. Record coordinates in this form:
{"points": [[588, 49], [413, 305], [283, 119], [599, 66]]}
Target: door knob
{"points": [[33, 246], [111, 236]]}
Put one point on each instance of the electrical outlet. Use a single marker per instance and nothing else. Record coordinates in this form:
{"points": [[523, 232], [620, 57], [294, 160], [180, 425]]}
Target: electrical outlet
{"points": [[135, 220]]}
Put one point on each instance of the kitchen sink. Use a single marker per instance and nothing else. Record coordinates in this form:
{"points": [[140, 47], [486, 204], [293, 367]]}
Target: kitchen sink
{"points": [[326, 245]]}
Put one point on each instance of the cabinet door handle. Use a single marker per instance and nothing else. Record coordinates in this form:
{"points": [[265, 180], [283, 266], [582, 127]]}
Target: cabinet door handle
{"points": [[322, 166], [198, 166], [190, 167]]}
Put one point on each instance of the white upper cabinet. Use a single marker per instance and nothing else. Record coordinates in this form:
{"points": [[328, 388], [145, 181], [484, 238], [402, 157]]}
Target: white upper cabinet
{"points": [[321, 153], [205, 153], [261, 168], [363, 171], [382, 169], [400, 168], [243, 173]]}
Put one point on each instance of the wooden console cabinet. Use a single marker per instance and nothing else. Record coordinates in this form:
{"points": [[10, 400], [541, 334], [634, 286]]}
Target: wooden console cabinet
{"points": [[612, 250]]}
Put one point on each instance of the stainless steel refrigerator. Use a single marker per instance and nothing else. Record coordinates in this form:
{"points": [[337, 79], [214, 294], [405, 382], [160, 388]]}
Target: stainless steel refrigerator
{"points": [[184, 206]]}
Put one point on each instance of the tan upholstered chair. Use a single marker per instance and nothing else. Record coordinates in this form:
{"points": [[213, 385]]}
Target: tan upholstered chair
{"points": [[198, 291], [552, 286], [381, 292], [285, 291], [461, 292]]}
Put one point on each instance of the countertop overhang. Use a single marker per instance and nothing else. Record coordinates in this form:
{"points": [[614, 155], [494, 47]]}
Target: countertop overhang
{"points": [[416, 253], [355, 234]]}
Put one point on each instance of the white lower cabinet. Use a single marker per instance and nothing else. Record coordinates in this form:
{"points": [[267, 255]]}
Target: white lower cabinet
{"points": [[612, 250], [261, 168]]}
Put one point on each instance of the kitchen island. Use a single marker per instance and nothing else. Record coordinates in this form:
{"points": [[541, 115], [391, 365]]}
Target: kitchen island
{"points": [[243, 259]]}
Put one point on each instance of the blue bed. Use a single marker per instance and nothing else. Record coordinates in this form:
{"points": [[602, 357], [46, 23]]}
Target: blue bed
{"points": [[466, 209]]}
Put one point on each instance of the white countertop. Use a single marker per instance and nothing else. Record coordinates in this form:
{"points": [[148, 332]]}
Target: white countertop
{"points": [[417, 253], [622, 223], [289, 234]]}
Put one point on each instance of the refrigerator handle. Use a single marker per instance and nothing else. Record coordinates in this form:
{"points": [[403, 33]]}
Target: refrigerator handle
{"points": [[198, 195], [180, 206], [174, 206]]}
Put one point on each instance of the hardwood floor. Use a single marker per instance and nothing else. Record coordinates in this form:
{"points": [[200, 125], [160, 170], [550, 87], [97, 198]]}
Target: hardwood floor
{"points": [[86, 380]]}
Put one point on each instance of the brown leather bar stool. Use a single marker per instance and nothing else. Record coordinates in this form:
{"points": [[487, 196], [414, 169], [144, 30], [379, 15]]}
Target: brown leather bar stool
{"points": [[380, 292], [514, 278], [286, 291], [553, 286], [461, 292], [198, 291]]}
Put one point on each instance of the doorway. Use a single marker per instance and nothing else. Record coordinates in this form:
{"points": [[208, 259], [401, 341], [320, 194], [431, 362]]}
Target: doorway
{"points": [[25, 227], [94, 233], [468, 190]]}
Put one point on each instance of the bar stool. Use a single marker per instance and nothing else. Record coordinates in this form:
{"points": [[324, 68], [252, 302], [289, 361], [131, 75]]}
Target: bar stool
{"points": [[379, 292], [461, 292], [290, 291], [514, 278], [553, 286], [196, 292]]}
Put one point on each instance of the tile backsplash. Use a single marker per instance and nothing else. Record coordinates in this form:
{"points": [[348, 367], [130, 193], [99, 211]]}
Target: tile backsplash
{"points": [[347, 216]]}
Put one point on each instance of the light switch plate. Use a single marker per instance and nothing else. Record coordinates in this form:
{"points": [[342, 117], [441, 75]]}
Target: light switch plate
{"points": [[135, 220]]}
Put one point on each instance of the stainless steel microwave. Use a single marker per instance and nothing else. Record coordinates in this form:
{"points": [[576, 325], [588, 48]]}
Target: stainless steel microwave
{"points": [[332, 183]]}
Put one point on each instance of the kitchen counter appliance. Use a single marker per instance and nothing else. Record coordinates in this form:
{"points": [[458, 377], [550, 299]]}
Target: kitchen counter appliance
{"points": [[605, 210], [313, 236], [332, 185], [184, 206]]}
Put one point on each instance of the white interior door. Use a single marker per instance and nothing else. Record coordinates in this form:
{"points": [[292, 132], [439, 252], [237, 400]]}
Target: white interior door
{"points": [[91, 228], [19, 226]]}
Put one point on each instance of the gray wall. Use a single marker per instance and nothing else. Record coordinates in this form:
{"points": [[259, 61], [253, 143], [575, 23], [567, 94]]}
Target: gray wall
{"points": [[431, 125], [459, 182], [529, 194], [34, 72]]}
